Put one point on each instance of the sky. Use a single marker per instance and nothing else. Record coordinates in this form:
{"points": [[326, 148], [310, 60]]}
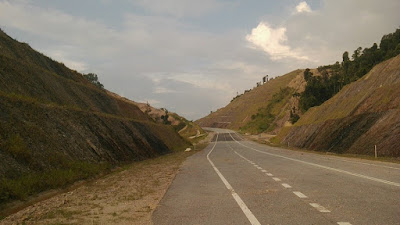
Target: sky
{"points": [[192, 56]]}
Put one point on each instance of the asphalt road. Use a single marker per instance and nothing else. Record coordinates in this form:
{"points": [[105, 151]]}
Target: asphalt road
{"points": [[234, 181]]}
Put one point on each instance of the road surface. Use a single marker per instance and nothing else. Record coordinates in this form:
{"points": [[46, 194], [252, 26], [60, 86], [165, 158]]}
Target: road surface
{"points": [[234, 181]]}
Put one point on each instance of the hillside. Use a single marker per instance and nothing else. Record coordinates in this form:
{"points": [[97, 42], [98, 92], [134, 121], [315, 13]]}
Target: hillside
{"points": [[363, 114], [239, 111], [56, 127], [189, 130]]}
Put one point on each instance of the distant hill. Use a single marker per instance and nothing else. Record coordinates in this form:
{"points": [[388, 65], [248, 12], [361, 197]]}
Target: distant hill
{"points": [[238, 113], [189, 130], [346, 107], [57, 127], [363, 114]]}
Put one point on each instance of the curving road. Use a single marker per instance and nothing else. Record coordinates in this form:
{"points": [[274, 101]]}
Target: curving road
{"points": [[234, 181]]}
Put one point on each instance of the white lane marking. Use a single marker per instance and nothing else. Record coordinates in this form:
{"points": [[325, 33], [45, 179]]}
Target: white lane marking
{"points": [[319, 207], [276, 179], [343, 223], [325, 167], [264, 171], [250, 216], [269, 174], [259, 167], [299, 194], [286, 185]]}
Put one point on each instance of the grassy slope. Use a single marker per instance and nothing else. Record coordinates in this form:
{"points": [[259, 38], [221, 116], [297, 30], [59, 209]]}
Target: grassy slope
{"points": [[362, 114], [184, 127], [238, 113], [53, 121]]}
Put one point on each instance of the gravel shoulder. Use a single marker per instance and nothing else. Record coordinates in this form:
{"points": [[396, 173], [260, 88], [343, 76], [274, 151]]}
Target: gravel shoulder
{"points": [[127, 196]]}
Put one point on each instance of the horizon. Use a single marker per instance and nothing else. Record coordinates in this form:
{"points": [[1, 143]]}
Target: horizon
{"points": [[211, 53]]}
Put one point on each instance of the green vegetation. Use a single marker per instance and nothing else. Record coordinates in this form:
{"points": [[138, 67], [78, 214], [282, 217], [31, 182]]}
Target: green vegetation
{"points": [[264, 119], [57, 128], [21, 187], [18, 149], [92, 78], [335, 77], [164, 118]]}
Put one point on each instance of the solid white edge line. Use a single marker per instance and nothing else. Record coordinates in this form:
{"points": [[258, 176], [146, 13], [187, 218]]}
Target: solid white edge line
{"points": [[325, 167], [370, 164], [250, 216], [299, 194]]}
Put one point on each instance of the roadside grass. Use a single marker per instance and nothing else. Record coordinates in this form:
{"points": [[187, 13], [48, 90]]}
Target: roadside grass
{"points": [[149, 173], [273, 143], [22, 187]]}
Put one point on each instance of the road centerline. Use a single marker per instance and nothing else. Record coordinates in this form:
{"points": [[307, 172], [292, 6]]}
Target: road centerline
{"points": [[321, 166]]}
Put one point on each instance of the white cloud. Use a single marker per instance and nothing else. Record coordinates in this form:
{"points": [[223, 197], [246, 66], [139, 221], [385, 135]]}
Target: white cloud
{"points": [[303, 7], [207, 62], [273, 41]]}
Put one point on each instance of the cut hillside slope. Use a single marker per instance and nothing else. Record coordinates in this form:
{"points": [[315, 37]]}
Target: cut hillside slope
{"points": [[363, 114], [187, 129], [56, 127], [238, 113]]}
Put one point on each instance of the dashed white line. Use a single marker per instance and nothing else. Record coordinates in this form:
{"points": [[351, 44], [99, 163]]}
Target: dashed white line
{"points": [[299, 194], [319, 207], [269, 174], [250, 216], [324, 167]]}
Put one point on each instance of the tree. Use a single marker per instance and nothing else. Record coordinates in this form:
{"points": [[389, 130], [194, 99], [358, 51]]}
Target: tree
{"points": [[307, 74], [165, 118], [356, 53], [93, 78]]}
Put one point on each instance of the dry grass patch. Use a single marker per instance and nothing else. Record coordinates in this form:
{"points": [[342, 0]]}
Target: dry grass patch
{"points": [[127, 196]]}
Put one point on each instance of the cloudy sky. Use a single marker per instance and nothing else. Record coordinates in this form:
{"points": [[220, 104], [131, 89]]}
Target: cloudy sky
{"points": [[193, 56]]}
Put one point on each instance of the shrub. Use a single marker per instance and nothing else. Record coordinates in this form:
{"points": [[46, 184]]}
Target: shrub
{"points": [[16, 146]]}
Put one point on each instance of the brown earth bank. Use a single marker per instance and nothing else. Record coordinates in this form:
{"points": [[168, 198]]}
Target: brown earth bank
{"points": [[364, 114], [239, 111]]}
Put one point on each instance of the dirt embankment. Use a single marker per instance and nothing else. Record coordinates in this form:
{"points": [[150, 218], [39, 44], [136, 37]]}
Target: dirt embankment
{"points": [[363, 114], [55, 123], [239, 111]]}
